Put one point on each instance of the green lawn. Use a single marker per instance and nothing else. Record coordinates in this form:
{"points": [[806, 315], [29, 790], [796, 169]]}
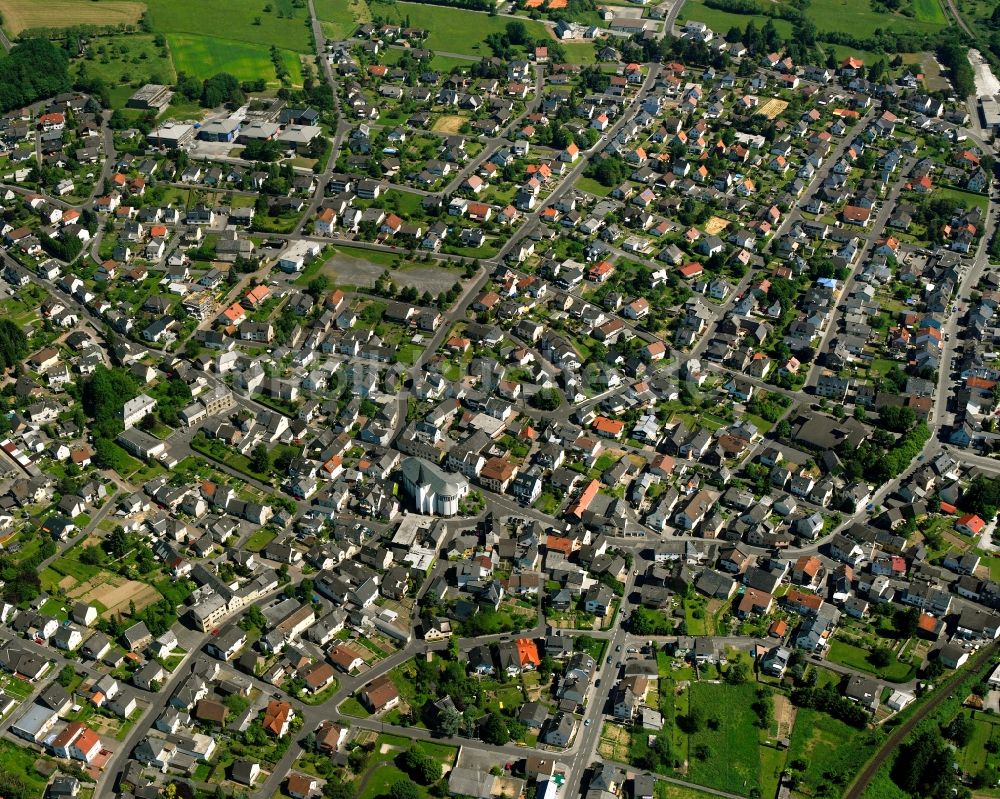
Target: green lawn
{"points": [[667, 790], [969, 198], [204, 56], [352, 707], [70, 567], [403, 202], [722, 21], [409, 353], [259, 539], [591, 186], [857, 658], [455, 30], [583, 53], [228, 21], [382, 772], [860, 19], [733, 761]]}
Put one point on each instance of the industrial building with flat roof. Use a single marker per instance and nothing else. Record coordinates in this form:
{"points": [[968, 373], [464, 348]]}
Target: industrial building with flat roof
{"points": [[151, 96]]}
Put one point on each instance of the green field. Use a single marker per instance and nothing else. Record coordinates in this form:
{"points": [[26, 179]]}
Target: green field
{"points": [[828, 747], [848, 16], [233, 20], [125, 63], [733, 762], [929, 11], [205, 56], [969, 198], [454, 30], [580, 53], [722, 21], [342, 16]]}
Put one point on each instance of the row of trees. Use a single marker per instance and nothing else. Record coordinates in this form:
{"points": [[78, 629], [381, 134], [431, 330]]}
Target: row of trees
{"points": [[882, 457]]}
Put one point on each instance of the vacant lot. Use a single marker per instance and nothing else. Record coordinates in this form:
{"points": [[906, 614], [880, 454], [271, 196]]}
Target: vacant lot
{"points": [[773, 108], [435, 279], [449, 123], [727, 757], [114, 593], [19, 15], [829, 748], [715, 225], [360, 269]]}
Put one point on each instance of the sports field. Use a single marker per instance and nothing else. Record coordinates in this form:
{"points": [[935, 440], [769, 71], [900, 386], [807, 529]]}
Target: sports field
{"points": [[19, 15], [204, 56]]}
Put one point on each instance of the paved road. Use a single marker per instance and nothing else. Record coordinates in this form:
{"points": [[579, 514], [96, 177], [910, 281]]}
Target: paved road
{"points": [[870, 239]]}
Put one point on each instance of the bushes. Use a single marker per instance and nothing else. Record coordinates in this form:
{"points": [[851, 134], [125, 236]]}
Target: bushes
{"points": [[829, 701], [420, 766]]}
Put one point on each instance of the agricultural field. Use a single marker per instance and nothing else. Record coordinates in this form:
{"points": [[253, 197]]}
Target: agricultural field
{"points": [[226, 20], [20, 15], [848, 16]]}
